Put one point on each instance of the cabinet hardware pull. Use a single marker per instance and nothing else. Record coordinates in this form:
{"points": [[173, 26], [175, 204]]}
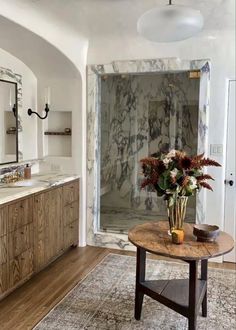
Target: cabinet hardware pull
{"points": [[22, 233]]}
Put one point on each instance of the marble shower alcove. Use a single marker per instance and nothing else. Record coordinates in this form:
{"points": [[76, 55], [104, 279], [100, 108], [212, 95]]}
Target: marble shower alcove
{"points": [[109, 86]]}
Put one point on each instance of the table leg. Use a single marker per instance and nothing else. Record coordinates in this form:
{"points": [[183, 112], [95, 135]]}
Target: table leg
{"points": [[192, 319], [140, 277], [204, 264]]}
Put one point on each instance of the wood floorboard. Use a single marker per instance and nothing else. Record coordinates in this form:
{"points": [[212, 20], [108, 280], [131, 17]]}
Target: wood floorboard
{"points": [[26, 306]]}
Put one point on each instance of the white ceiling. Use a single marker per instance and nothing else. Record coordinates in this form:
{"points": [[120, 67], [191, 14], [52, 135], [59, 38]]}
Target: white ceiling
{"points": [[95, 20], [39, 55], [103, 18]]}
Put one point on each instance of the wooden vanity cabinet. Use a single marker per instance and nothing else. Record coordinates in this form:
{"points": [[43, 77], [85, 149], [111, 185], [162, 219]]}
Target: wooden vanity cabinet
{"points": [[34, 231]]}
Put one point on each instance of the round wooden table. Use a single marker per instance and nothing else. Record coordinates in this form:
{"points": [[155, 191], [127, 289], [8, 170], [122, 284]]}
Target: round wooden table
{"points": [[182, 295]]}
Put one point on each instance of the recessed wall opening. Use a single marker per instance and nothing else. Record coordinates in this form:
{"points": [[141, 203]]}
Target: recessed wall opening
{"points": [[142, 115]]}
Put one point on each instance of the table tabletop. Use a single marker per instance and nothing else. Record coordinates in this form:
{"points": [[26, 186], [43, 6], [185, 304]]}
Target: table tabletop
{"points": [[153, 237]]}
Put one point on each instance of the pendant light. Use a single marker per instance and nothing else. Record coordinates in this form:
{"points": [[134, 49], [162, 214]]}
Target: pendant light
{"points": [[170, 23]]}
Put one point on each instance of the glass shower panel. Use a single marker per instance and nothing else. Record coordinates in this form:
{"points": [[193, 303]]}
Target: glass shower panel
{"points": [[142, 115]]}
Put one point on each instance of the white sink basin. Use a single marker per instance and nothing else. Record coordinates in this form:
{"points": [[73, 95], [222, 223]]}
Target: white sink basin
{"points": [[28, 183]]}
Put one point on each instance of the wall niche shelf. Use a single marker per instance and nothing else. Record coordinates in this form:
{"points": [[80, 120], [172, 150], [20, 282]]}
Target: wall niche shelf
{"points": [[56, 145], [11, 132], [57, 133]]}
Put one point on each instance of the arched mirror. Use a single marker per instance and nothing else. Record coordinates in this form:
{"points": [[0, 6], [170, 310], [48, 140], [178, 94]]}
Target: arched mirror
{"points": [[8, 122]]}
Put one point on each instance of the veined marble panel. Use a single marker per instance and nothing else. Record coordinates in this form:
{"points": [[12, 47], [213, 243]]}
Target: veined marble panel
{"points": [[9, 75], [141, 115], [95, 72]]}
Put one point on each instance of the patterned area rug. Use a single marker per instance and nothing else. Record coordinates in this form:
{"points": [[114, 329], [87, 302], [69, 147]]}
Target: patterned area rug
{"points": [[105, 300]]}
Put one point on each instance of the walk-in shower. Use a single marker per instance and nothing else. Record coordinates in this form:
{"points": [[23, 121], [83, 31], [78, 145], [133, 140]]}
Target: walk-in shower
{"points": [[141, 115]]}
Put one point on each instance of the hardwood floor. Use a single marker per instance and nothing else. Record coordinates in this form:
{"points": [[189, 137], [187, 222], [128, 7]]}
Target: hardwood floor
{"points": [[26, 306]]}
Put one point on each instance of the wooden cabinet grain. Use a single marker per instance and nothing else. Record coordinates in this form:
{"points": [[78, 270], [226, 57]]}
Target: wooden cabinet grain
{"points": [[71, 234], [21, 267], [48, 234], [34, 231], [3, 220], [3, 249], [3, 278], [70, 214], [20, 213], [20, 240], [70, 192]]}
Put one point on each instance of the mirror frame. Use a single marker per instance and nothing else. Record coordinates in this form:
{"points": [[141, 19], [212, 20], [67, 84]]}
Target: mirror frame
{"points": [[16, 103]]}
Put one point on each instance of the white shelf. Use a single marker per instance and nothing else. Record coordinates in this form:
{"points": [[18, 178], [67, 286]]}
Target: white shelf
{"points": [[58, 145]]}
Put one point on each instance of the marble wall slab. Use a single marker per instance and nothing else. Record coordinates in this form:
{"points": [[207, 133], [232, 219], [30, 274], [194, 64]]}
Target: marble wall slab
{"points": [[95, 72], [141, 115]]}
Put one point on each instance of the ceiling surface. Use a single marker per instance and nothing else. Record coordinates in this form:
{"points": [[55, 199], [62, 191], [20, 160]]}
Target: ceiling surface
{"points": [[105, 24], [101, 18]]}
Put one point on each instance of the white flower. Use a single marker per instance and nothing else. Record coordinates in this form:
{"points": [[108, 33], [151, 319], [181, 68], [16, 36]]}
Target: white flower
{"points": [[171, 154], [166, 161], [174, 172], [192, 183]]}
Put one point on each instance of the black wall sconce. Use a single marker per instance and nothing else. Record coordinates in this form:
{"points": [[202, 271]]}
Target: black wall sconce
{"points": [[47, 102], [30, 112]]}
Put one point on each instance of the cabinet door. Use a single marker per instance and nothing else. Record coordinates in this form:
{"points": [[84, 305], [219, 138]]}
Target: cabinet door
{"points": [[48, 237], [3, 250], [3, 264], [71, 233], [54, 225], [3, 278], [71, 213], [20, 240], [39, 231], [70, 192], [3, 220], [21, 267], [20, 214]]}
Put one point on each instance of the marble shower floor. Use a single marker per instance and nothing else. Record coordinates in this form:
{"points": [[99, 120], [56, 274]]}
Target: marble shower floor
{"points": [[122, 219]]}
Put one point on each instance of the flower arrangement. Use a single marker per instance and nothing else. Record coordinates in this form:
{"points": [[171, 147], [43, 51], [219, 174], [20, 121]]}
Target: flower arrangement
{"points": [[175, 174]]}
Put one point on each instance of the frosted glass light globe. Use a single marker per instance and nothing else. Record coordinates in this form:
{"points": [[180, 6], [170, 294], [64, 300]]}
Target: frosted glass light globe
{"points": [[170, 23]]}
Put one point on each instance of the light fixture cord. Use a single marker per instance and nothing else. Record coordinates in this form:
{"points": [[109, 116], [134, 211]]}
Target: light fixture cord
{"points": [[170, 2]]}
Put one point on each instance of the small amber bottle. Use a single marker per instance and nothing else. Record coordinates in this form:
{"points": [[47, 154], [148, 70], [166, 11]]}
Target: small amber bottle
{"points": [[27, 172]]}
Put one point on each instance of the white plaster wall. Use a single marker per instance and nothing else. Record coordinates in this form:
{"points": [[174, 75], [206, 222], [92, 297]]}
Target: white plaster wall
{"points": [[74, 46], [65, 96], [119, 45], [29, 99], [220, 49]]}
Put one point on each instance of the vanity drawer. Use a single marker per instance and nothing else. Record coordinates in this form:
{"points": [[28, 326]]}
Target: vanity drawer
{"points": [[21, 267], [20, 214], [3, 278], [71, 234], [3, 250], [3, 220], [20, 240], [70, 192], [71, 213]]}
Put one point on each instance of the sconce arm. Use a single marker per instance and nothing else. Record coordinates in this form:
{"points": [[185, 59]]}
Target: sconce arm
{"points": [[30, 112]]}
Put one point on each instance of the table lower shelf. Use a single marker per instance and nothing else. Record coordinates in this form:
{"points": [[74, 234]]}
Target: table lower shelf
{"points": [[173, 293]]}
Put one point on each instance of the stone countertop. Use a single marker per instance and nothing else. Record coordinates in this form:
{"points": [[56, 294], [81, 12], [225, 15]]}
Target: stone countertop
{"points": [[38, 182]]}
